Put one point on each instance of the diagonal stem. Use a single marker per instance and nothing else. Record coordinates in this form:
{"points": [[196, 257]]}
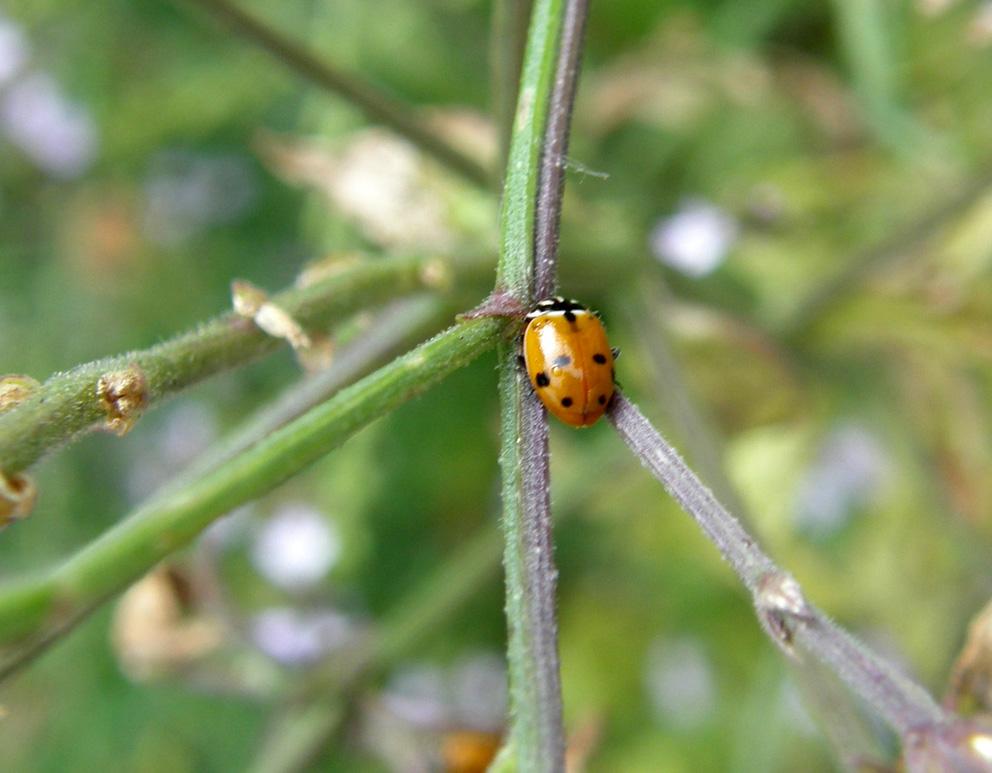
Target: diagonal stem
{"points": [[376, 104], [35, 611]]}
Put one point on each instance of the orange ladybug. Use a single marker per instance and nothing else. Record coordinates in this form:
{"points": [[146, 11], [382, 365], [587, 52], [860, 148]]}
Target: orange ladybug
{"points": [[569, 361]]}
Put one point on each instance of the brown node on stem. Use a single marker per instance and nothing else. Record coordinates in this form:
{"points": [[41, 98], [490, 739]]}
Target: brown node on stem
{"points": [[17, 497], [16, 390], [499, 303], [123, 395], [970, 688], [250, 302], [780, 603]]}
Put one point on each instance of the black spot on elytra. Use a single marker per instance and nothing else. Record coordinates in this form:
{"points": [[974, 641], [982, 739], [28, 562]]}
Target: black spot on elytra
{"points": [[567, 402], [600, 358], [570, 315], [541, 379], [561, 362], [602, 399]]}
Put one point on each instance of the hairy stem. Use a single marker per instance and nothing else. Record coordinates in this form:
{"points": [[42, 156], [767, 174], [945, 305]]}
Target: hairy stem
{"points": [[68, 405], [35, 611], [528, 259], [551, 186], [792, 623]]}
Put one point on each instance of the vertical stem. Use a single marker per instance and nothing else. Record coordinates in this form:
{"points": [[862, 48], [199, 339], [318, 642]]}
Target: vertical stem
{"points": [[536, 732], [551, 185], [528, 260], [515, 273]]}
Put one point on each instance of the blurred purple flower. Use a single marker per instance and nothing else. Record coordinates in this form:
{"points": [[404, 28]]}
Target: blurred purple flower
{"points": [[187, 191], [417, 694], [479, 691], [850, 468], [300, 637], [59, 135], [470, 693]]}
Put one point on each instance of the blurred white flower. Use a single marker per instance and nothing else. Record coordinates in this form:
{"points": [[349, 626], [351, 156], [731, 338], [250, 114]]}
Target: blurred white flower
{"points": [[695, 239], [479, 691], [59, 135], [14, 49], [417, 693], [849, 469], [679, 682], [296, 547], [187, 191], [299, 637], [470, 693]]}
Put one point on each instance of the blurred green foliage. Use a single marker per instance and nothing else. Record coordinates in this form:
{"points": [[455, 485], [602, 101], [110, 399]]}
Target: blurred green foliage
{"points": [[823, 130]]}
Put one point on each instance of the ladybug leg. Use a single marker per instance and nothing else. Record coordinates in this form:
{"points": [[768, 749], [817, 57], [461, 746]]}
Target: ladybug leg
{"points": [[616, 352]]}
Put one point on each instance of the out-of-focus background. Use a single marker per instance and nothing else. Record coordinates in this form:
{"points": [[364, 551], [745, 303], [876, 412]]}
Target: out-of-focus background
{"points": [[783, 209]]}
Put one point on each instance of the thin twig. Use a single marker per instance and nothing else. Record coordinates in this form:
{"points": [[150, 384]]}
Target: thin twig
{"points": [[551, 185], [537, 730], [373, 101], [405, 320], [783, 612], [68, 405], [693, 423], [34, 611], [536, 738]]}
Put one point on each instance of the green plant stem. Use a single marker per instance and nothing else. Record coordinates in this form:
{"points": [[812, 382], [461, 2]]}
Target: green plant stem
{"points": [[515, 273], [551, 184], [401, 324], [34, 611], [371, 100], [536, 737], [536, 729], [67, 406], [528, 261]]}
